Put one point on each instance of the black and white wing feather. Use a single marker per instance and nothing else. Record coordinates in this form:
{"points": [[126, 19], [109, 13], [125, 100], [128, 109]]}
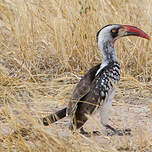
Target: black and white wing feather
{"points": [[92, 92]]}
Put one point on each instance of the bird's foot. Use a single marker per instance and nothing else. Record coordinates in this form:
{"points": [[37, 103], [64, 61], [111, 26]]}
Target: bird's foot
{"points": [[88, 134], [119, 132], [85, 133]]}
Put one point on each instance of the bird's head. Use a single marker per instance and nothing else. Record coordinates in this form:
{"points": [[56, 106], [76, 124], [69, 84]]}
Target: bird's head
{"points": [[107, 36], [112, 32]]}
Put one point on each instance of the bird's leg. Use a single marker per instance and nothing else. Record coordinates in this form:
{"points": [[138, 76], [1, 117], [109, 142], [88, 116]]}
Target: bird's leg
{"points": [[76, 124], [119, 132], [114, 131], [104, 115]]}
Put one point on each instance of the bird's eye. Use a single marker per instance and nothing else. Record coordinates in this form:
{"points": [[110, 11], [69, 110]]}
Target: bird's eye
{"points": [[113, 30]]}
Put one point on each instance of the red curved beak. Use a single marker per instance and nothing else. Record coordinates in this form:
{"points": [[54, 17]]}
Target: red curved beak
{"points": [[129, 30]]}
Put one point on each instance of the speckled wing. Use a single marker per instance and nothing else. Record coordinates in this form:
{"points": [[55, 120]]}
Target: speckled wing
{"points": [[82, 89]]}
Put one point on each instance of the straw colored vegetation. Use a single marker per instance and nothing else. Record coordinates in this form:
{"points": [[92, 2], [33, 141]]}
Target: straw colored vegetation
{"points": [[45, 48]]}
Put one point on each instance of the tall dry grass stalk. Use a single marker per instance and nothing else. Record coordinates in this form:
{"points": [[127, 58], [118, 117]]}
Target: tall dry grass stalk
{"points": [[45, 46]]}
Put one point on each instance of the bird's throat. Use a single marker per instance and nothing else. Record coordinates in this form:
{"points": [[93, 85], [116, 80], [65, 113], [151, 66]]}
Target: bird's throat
{"points": [[109, 53]]}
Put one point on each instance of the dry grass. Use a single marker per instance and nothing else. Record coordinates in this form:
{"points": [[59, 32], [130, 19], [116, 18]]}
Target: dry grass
{"points": [[45, 47]]}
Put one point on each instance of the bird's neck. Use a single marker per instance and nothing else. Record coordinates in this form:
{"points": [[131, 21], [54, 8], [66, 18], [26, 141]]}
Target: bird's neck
{"points": [[108, 52]]}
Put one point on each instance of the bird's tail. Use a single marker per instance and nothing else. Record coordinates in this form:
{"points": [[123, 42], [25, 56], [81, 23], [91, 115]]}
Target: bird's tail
{"points": [[54, 117]]}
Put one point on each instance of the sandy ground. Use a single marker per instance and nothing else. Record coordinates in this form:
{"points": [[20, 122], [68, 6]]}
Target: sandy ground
{"points": [[130, 110]]}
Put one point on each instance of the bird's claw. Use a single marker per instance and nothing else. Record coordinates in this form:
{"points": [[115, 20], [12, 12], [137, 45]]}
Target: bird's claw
{"points": [[96, 133], [127, 131]]}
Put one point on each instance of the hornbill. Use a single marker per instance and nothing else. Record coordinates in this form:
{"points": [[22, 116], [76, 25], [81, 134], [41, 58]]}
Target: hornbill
{"points": [[95, 90]]}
